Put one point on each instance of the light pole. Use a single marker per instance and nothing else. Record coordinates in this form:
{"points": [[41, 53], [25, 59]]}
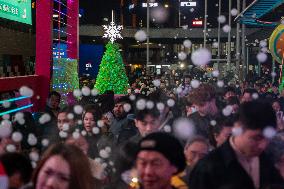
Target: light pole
{"points": [[243, 46], [229, 36], [238, 42], [148, 34], [205, 25], [219, 34]]}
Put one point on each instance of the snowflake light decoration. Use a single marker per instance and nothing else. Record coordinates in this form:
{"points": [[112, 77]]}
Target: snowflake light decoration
{"points": [[112, 31]]}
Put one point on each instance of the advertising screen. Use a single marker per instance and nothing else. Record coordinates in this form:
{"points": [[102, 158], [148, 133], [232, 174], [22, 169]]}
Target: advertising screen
{"points": [[16, 10]]}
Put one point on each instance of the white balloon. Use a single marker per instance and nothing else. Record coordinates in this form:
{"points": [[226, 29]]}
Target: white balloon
{"points": [[255, 96], [26, 91], [150, 104], [222, 19], [269, 132], [157, 83], [32, 140], [201, 57], [194, 83], [159, 14], [236, 131], [96, 130], [141, 104], [226, 28], [6, 104], [5, 128], [220, 83], [261, 57], [78, 109], [34, 156], [184, 128], [170, 102], [45, 142], [11, 148], [234, 12], [44, 118], [104, 154], [95, 92], [215, 73], [187, 43], [227, 110], [160, 106], [167, 129], [86, 91], [182, 56], [17, 136], [77, 93], [140, 35]]}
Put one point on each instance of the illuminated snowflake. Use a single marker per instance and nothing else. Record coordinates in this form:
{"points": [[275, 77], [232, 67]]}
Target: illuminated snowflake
{"points": [[112, 31]]}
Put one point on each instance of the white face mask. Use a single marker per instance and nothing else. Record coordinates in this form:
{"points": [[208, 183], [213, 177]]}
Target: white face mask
{"points": [[193, 109]]}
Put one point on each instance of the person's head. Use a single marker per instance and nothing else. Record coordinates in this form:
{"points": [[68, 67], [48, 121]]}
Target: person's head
{"points": [[189, 108], [254, 117], [147, 121], [274, 88], [91, 116], [276, 106], [159, 157], [18, 169], [195, 149], [63, 118], [63, 167], [229, 92], [204, 98], [223, 129], [248, 95], [234, 102], [118, 109], [53, 100], [79, 141]]}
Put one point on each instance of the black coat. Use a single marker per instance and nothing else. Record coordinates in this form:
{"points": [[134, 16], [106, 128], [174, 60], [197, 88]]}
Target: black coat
{"points": [[221, 170]]}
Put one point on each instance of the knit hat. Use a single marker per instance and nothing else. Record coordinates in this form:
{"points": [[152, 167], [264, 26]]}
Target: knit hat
{"points": [[167, 145]]}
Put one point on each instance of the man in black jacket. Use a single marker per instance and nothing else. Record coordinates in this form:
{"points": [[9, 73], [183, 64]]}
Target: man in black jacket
{"points": [[240, 162]]}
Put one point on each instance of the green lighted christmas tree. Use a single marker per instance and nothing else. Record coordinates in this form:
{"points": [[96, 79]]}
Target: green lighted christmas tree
{"points": [[65, 77], [112, 74]]}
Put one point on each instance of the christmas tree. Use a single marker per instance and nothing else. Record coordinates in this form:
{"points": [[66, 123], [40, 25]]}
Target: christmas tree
{"points": [[65, 77], [112, 74]]}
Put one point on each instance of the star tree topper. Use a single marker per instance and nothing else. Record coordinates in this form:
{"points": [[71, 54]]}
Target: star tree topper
{"points": [[112, 31]]}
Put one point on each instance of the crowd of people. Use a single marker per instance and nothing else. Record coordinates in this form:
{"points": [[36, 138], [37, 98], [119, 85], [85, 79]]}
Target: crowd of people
{"points": [[190, 135]]}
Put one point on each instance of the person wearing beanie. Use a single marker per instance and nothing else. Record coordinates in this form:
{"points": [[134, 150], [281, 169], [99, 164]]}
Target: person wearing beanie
{"points": [[156, 163]]}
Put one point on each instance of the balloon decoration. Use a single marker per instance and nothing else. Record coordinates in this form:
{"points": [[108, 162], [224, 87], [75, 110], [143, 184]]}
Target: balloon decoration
{"points": [[276, 47]]}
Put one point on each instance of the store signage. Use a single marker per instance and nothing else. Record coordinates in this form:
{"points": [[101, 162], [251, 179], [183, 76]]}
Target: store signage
{"points": [[150, 4], [16, 10], [188, 4]]}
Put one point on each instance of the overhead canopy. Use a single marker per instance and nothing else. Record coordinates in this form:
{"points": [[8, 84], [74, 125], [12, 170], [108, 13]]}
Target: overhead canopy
{"points": [[257, 9]]}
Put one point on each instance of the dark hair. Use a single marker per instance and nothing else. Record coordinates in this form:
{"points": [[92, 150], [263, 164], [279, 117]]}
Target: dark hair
{"points": [[141, 114], [251, 91], [233, 100], [223, 121], [54, 93], [257, 114], [17, 163], [80, 171], [94, 110], [202, 94], [229, 89]]}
